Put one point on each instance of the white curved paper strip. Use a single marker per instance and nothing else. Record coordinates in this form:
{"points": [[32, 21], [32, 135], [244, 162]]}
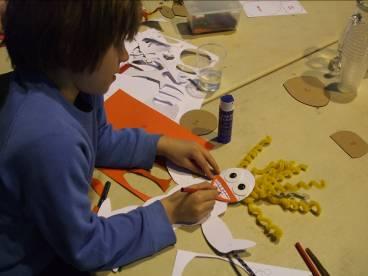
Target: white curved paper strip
{"points": [[105, 209], [147, 56], [183, 258], [183, 177], [219, 236]]}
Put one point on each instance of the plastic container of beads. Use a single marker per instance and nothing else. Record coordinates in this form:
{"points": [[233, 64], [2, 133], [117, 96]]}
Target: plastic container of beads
{"points": [[212, 16]]}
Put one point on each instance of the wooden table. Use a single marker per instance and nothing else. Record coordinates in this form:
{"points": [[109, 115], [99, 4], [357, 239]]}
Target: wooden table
{"points": [[264, 44], [261, 45], [256, 51], [299, 133]]}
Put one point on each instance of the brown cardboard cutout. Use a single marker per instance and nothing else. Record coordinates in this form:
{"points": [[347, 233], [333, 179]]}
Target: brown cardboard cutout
{"points": [[351, 143], [167, 12], [199, 122], [179, 10], [308, 90]]}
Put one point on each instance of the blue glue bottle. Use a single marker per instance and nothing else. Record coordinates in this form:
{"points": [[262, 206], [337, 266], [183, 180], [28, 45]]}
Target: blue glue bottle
{"points": [[225, 124]]}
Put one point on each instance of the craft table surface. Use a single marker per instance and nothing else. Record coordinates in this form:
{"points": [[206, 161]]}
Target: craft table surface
{"points": [[300, 133], [262, 45]]}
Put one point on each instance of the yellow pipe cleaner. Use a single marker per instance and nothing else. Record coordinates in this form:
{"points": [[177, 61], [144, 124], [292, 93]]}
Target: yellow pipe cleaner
{"points": [[269, 188]]}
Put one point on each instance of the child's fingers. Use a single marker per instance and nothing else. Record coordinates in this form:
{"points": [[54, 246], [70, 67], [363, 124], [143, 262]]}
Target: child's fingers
{"points": [[192, 166], [203, 185], [211, 161], [202, 196], [202, 163], [208, 206]]}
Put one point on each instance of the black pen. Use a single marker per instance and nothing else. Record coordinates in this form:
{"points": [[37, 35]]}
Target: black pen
{"points": [[103, 196]]}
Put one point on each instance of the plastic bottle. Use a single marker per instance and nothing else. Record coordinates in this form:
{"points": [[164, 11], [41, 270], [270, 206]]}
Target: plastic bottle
{"points": [[354, 52]]}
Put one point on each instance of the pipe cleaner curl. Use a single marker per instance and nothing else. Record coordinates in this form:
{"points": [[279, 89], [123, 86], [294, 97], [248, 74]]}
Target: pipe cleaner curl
{"points": [[269, 187]]}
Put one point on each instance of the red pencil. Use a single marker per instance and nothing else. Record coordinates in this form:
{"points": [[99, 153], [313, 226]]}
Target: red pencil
{"points": [[190, 190], [307, 259]]}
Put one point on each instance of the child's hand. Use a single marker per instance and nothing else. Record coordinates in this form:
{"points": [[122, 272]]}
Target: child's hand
{"points": [[188, 155], [189, 208]]}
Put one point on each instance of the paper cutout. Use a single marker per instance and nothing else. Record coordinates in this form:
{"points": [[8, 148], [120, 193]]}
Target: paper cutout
{"points": [[308, 90], [118, 176], [199, 122], [351, 143], [215, 231], [179, 10], [183, 258], [235, 185], [219, 236], [97, 186], [105, 209], [167, 12], [240, 184], [139, 87], [255, 8], [157, 65], [123, 111], [182, 176]]}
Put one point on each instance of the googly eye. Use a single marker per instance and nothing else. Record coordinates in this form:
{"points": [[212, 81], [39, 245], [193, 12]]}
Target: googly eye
{"points": [[231, 177], [241, 186], [240, 189]]}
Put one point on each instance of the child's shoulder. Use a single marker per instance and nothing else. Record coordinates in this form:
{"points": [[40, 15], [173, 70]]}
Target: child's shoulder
{"points": [[35, 111]]}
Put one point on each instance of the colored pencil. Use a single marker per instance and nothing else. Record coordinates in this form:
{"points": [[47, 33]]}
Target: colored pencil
{"points": [[318, 264], [308, 261]]}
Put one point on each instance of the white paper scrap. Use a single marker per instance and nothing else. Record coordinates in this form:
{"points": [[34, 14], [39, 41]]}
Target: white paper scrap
{"points": [[183, 258], [255, 8]]}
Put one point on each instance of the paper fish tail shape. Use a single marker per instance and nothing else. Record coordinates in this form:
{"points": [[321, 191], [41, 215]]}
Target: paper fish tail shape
{"points": [[219, 236]]}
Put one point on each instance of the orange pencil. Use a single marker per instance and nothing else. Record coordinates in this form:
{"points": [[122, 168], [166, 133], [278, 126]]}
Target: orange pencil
{"points": [[307, 259]]}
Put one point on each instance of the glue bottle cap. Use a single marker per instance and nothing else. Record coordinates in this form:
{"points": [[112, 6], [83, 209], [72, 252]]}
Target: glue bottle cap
{"points": [[227, 103]]}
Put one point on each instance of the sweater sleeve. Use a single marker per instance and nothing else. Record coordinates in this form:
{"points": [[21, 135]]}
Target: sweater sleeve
{"points": [[123, 148], [56, 173]]}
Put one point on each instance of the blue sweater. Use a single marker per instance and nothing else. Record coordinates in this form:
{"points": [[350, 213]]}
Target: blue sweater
{"points": [[48, 150]]}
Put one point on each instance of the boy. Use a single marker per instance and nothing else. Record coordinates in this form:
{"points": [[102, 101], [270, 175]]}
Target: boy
{"points": [[54, 132]]}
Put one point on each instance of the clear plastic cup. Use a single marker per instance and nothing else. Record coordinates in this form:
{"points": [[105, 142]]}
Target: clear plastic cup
{"points": [[210, 63]]}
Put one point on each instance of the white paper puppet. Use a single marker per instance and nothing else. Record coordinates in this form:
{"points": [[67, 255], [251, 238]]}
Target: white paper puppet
{"points": [[233, 185]]}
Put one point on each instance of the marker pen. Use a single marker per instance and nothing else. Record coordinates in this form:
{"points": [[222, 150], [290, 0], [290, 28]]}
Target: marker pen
{"points": [[225, 124]]}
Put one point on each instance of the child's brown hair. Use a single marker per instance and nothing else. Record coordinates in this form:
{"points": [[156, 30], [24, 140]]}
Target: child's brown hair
{"points": [[71, 34]]}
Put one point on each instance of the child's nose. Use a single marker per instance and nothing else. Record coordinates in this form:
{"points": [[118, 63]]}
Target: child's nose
{"points": [[123, 55]]}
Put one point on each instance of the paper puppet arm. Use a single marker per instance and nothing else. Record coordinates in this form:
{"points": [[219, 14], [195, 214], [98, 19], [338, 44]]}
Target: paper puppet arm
{"points": [[218, 235]]}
